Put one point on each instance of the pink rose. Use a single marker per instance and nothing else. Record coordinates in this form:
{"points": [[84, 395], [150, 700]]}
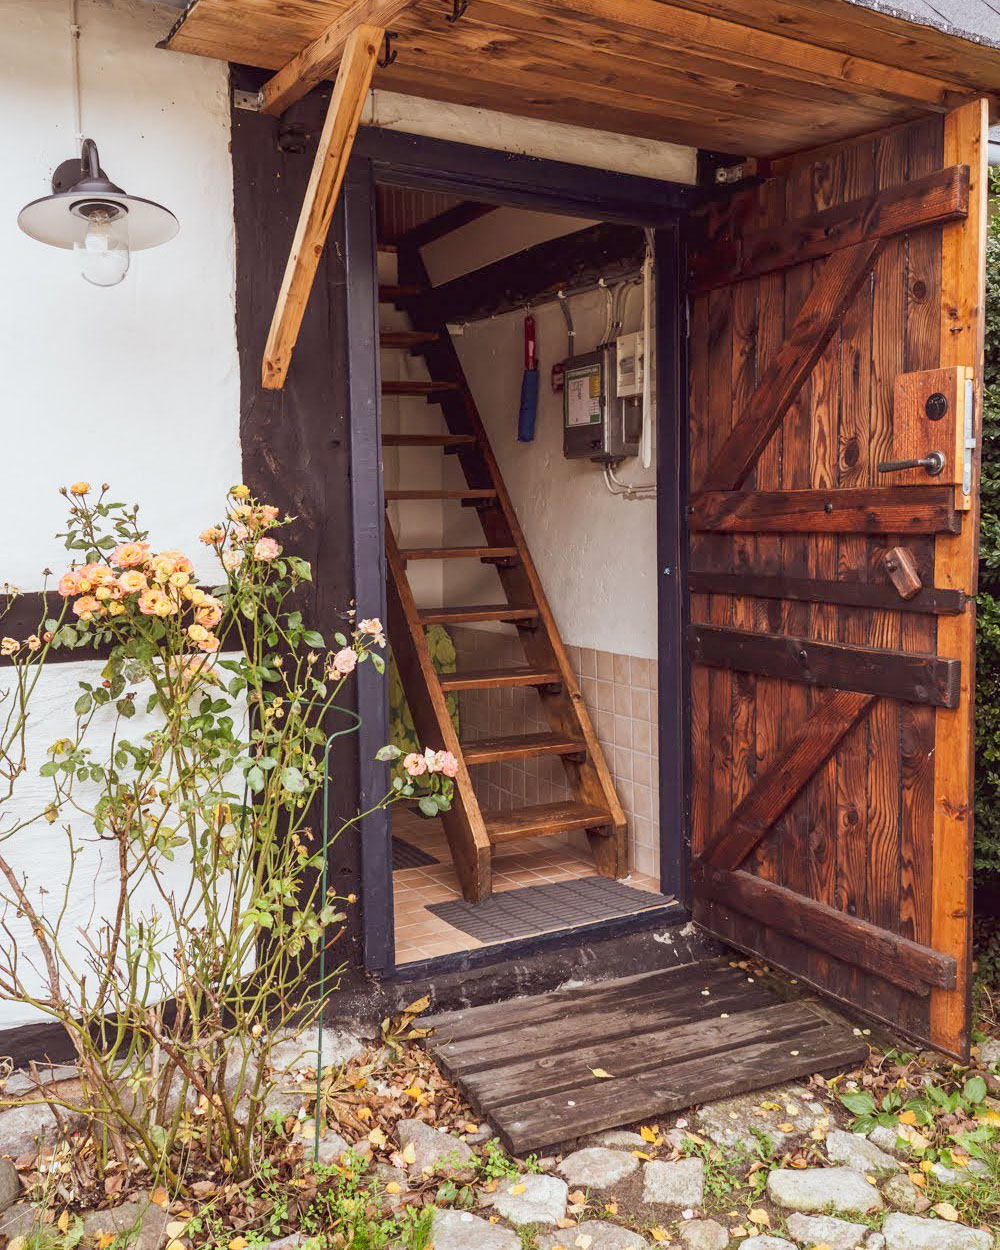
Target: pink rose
{"points": [[85, 607], [344, 662], [232, 560], [415, 764], [125, 555], [132, 581], [266, 549], [67, 584], [445, 762]]}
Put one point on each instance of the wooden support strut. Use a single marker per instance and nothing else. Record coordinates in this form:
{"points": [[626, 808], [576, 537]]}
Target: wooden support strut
{"points": [[342, 119]]}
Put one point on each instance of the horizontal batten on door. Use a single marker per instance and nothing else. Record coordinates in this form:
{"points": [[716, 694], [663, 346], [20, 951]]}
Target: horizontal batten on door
{"points": [[935, 198], [908, 964], [931, 599], [862, 510], [870, 670]]}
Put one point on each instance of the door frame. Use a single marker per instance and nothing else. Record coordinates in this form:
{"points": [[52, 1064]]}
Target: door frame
{"points": [[490, 176]]}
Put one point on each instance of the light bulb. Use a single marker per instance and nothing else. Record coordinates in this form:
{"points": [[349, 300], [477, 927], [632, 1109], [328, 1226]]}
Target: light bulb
{"points": [[104, 253]]}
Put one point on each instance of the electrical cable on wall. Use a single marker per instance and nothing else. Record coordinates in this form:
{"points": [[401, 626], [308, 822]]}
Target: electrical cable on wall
{"points": [[74, 52]]}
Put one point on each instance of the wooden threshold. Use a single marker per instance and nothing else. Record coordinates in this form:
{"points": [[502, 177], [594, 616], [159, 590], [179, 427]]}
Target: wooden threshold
{"points": [[669, 1039]]}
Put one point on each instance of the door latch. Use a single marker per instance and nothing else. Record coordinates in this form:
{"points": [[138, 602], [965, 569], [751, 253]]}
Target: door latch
{"points": [[932, 464]]}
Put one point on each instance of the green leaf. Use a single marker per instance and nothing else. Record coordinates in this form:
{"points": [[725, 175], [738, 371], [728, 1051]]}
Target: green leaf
{"points": [[255, 778], [82, 706], [974, 1090], [428, 806], [292, 780], [859, 1103], [388, 753], [312, 639]]}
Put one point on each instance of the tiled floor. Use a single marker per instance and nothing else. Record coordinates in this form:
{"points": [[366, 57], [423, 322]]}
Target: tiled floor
{"points": [[535, 861]]}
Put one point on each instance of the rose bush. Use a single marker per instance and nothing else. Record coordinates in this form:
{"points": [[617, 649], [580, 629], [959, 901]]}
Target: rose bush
{"points": [[205, 944]]}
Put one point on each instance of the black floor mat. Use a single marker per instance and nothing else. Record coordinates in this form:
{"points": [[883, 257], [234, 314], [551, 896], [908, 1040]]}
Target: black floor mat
{"points": [[539, 908], [406, 855]]}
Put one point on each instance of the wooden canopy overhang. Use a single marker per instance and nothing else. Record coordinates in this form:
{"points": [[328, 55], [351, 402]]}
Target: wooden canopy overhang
{"points": [[754, 78]]}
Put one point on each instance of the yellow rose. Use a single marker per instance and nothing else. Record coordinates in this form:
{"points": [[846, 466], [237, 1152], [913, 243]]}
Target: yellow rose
{"points": [[197, 633], [79, 488], [240, 492]]}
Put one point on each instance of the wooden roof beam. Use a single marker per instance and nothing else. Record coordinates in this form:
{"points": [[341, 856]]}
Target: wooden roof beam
{"points": [[319, 60], [354, 77]]}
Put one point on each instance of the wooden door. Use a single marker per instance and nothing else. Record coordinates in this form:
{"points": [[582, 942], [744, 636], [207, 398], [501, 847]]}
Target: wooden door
{"points": [[836, 330]]}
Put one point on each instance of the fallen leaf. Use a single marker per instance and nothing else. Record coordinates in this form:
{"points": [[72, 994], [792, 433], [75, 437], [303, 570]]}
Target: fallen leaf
{"points": [[105, 1240], [946, 1211], [517, 1189], [417, 1008], [641, 1154], [394, 1187], [659, 1234], [611, 1208], [159, 1197], [378, 1139], [786, 1127], [926, 1165], [409, 1153], [584, 1241], [601, 1074], [565, 1223], [649, 1134], [917, 1178], [175, 1228], [238, 1243], [907, 1117], [63, 1222], [759, 1216], [176, 1245], [578, 1198]]}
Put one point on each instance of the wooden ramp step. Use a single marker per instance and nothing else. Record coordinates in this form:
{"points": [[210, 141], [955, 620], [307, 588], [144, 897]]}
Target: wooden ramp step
{"points": [[407, 338], [459, 553], [392, 292], [470, 614], [499, 678], [535, 821], [427, 440], [409, 386], [527, 1065], [470, 495], [521, 746]]}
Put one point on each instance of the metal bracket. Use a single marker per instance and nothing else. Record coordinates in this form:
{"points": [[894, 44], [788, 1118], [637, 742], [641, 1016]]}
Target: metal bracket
{"points": [[458, 8], [389, 53], [248, 101], [968, 436]]}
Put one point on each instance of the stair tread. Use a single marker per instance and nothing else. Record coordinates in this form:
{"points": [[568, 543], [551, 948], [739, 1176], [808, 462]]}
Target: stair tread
{"points": [[440, 494], [427, 440], [418, 386], [481, 678], [458, 553], [478, 612], [407, 338], [539, 819], [487, 750]]}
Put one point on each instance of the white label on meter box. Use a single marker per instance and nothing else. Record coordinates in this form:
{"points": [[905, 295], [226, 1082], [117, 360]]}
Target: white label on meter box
{"points": [[583, 396]]}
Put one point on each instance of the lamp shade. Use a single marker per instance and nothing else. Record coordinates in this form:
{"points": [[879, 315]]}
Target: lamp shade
{"points": [[81, 190]]}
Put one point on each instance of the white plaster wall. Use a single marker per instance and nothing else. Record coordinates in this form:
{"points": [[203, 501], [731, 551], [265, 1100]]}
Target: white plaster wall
{"points": [[596, 553], [137, 385]]}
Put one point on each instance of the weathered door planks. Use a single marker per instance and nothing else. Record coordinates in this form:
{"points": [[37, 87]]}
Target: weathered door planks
{"points": [[874, 825]]}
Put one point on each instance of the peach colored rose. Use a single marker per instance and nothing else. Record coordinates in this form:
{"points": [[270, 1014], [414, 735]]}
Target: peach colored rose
{"points": [[209, 616], [344, 662], [214, 534], [100, 574], [85, 607], [79, 488], [127, 555], [266, 549], [238, 534], [132, 581], [415, 764], [68, 584], [115, 608], [374, 629], [445, 762], [268, 511], [232, 560], [153, 602], [9, 646], [104, 593], [179, 580], [197, 633], [209, 643]]}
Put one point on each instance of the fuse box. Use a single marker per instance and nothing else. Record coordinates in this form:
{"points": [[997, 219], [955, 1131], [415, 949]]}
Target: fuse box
{"points": [[599, 423]]}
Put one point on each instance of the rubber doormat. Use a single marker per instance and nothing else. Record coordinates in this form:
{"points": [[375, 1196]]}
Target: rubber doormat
{"points": [[538, 908], [406, 855]]}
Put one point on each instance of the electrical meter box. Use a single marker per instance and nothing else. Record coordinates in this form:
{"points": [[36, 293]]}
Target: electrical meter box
{"points": [[598, 423]]}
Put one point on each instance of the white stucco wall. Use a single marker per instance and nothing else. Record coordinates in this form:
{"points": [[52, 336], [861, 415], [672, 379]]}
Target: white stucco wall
{"points": [[136, 385]]}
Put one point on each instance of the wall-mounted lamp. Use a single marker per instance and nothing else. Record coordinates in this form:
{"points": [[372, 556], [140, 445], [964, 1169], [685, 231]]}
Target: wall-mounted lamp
{"points": [[102, 225]]}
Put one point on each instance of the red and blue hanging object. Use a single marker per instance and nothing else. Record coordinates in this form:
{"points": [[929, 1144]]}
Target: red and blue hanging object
{"points": [[529, 385]]}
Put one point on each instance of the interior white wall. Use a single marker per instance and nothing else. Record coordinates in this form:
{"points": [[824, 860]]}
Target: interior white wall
{"points": [[137, 385]]}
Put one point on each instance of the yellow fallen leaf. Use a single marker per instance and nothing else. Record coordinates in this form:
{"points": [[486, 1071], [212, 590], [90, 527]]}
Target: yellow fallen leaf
{"points": [[159, 1197], [770, 1106], [517, 1189], [377, 1138], [759, 1216], [409, 1153], [17, 1243], [578, 1198], [565, 1223], [470, 1128], [917, 1178], [907, 1117], [415, 1009], [989, 1116], [649, 1134], [739, 1231], [394, 1187], [105, 1240], [238, 1243], [786, 1127], [176, 1245], [176, 1228], [946, 1211], [584, 1241], [601, 1074], [63, 1222], [818, 1134], [926, 1165], [611, 1208], [659, 1234], [641, 1154]]}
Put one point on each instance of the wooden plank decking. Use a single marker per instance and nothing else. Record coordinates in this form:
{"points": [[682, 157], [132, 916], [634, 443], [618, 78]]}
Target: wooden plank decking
{"points": [[669, 1040]]}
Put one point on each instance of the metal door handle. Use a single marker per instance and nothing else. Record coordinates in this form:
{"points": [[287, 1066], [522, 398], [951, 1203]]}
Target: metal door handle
{"points": [[933, 463]]}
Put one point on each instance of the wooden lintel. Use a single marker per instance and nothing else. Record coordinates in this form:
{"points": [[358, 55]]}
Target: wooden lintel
{"points": [[854, 941], [936, 198], [756, 585], [854, 510], [318, 60], [777, 788], [832, 294], [330, 164], [911, 678]]}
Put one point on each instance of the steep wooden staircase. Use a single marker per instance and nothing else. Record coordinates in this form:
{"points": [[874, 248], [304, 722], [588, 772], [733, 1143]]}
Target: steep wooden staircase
{"points": [[473, 832]]}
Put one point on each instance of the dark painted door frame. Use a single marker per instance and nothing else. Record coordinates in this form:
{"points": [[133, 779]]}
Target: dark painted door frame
{"points": [[488, 176]]}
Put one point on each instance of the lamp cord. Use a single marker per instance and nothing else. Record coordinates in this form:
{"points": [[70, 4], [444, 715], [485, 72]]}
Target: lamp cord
{"points": [[74, 51]]}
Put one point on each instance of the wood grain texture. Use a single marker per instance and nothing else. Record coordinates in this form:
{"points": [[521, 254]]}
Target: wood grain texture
{"points": [[913, 967], [858, 510], [786, 777], [827, 302], [847, 593], [937, 197], [329, 166], [899, 563]]}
